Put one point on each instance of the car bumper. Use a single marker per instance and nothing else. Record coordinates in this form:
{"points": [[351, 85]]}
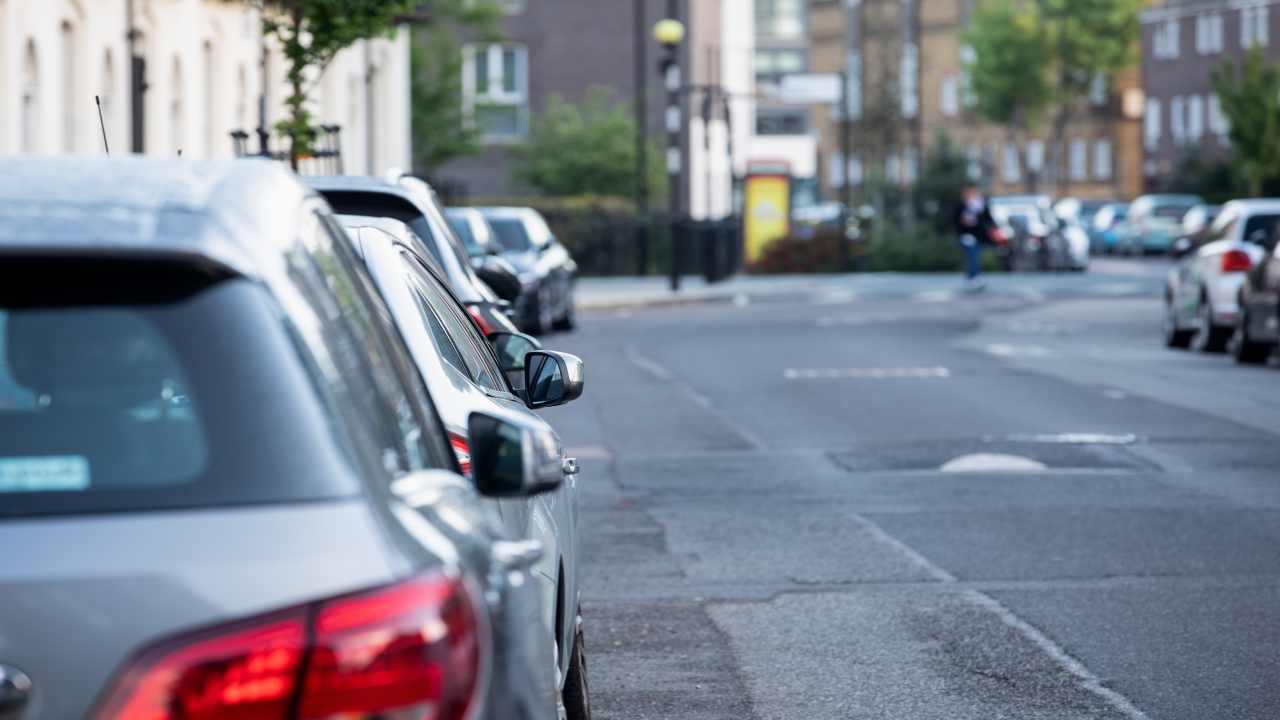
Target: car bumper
{"points": [[1224, 296]]}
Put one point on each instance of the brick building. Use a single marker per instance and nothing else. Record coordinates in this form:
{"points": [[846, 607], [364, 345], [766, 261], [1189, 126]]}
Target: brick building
{"points": [[1182, 41], [909, 61]]}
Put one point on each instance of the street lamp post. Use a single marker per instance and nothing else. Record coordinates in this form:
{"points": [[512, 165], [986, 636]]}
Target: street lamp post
{"points": [[669, 33]]}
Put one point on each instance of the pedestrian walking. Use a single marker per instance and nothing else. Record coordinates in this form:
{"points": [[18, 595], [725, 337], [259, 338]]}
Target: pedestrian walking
{"points": [[974, 227]]}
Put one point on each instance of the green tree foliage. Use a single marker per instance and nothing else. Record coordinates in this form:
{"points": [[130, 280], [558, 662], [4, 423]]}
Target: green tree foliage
{"points": [[1009, 77], [585, 149], [942, 180], [441, 130], [1250, 97]]}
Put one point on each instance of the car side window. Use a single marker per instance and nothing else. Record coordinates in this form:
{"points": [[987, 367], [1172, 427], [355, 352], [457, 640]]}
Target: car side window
{"points": [[459, 327], [384, 404]]}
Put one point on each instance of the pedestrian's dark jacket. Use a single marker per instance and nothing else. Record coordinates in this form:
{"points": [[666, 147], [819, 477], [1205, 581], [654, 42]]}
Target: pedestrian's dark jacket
{"points": [[967, 223]]}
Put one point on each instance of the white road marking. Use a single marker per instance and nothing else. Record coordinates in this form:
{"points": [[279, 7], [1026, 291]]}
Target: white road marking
{"points": [[1076, 438], [661, 373], [590, 452], [865, 373], [836, 297], [646, 364], [1115, 394], [741, 300], [991, 463], [934, 296], [1006, 350], [1088, 680]]}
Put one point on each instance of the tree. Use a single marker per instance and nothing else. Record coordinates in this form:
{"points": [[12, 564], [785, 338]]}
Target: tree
{"points": [[1009, 76], [1085, 40], [1250, 97], [441, 130], [585, 149], [942, 180]]}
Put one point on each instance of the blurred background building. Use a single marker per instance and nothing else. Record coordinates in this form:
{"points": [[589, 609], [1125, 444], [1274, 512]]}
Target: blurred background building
{"points": [[181, 75]]}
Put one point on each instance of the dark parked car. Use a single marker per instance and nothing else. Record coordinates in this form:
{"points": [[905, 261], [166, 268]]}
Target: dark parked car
{"points": [[547, 272], [371, 197], [486, 254], [1258, 325], [225, 491]]}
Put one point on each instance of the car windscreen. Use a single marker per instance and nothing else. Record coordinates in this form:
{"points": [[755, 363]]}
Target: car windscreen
{"points": [[462, 228], [176, 389], [1261, 229], [1171, 212], [511, 233]]}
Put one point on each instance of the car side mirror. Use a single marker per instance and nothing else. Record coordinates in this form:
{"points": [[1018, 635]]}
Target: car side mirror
{"points": [[551, 378], [500, 276], [510, 458], [1181, 247], [512, 349]]}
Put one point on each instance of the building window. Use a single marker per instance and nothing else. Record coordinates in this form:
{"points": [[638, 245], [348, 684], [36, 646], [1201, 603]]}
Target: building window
{"points": [[1011, 167], [780, 18], [496, 90], [893, 168], [1152, 124], [910, 165], [773, 63], [968, 56], [1166, 39], [1209, 33], [771, 121], [1102, 160], [973, 157], [70, 94], [949, 95], [1177, 119], [1035, 156], [1195, 117], [1218, 123], [855, 170], [1253, 26], [854, 77], [835, 170], [1078, 162], [909, 81], [1098, 90]]}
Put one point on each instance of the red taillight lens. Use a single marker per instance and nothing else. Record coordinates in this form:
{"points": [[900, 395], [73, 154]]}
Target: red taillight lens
{"points": [[413, 648], [485, 328], [410, 650], [250, 672], [1236, 261], [462, 449]]}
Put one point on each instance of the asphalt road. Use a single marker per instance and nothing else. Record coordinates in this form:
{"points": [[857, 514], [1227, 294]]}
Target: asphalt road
{"points": [[893, 500]]}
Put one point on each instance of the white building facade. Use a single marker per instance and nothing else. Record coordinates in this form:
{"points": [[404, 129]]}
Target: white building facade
{"points": [[207, 73]]}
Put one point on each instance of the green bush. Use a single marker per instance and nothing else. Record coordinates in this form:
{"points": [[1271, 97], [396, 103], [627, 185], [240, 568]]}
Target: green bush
{"points": [[918, 249]]}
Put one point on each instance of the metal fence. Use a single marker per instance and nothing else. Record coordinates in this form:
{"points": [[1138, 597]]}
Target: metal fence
{"points": [[325, 157]]}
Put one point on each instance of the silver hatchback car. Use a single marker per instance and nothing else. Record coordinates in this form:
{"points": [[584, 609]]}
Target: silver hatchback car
{"points": [[224, 493]]}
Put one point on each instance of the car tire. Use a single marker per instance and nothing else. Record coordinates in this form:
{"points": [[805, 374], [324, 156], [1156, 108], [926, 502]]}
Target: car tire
{"points": [[1246, 351], [568, 320], [1174, 337], [1207, 337], [577, 695]]}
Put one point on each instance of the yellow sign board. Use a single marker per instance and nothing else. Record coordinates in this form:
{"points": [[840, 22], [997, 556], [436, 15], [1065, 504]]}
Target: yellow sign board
{"points": [[768, 212]]}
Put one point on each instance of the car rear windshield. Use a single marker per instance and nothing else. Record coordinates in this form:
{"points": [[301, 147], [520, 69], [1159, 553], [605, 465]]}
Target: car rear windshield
{"points": [[379, 204], [462, 228], [147, 385], [511, 234], [1171, 212]]}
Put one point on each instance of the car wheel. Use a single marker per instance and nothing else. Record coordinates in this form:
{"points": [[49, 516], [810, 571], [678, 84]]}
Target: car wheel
{"points": [[1208, 337], [568, 320], [1174, 336], [577, 697], [1246, 351]]}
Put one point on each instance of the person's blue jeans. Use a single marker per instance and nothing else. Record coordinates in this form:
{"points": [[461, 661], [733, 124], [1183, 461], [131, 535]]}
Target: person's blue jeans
{"points": [[972, 256]]}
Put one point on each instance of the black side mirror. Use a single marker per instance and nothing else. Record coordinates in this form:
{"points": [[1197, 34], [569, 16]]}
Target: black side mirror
{"points": [[1181, 247], [551, 378], [500, 276], [510, 458]]}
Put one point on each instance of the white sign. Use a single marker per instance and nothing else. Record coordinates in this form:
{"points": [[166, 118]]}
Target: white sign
{"points": [[810, 88]]}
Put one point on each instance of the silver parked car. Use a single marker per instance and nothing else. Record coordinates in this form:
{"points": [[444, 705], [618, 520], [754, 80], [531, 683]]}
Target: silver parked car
{"points": [[1202, 291], [223, 490], [466, 374]]}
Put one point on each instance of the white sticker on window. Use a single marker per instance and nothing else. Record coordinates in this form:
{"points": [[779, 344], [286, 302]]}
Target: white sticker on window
{"points": [[43, 474]]}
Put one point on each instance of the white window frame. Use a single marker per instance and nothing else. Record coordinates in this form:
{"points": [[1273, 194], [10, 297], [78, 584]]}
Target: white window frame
{"points": [[909, 82], [949, 96], [1218, 124], [968, 56], [1152, 124], [1010, 164], [1102, 159], [1099, 90], [1195, 117], [1178, 119], [1035, 155], [1167, 39], [1078, 160], [496, 93], [1254, 26]]}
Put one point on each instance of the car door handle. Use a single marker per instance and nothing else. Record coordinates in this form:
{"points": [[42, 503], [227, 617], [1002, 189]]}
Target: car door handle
{"points": [[517, 554], [570, 466]]}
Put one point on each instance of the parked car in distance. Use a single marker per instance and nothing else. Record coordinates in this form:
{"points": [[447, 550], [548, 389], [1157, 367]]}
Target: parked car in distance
{"points": [[372, 197], [547, 272], [1040, 241], [1104, 231], [466, 375], [225, 472], [485, 252], [1203, 288], [1153, 222], [1257, 329]]}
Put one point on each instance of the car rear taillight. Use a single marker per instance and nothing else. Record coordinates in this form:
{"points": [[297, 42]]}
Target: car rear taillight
{"points": [[1236, 261], [462, 449], [408, 650], [485, 328]]}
